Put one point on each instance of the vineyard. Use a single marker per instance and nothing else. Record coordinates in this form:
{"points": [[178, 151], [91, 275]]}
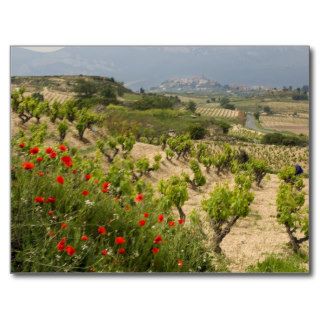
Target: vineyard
{"points": [[218, 112], [85, 199], [298, 125]]}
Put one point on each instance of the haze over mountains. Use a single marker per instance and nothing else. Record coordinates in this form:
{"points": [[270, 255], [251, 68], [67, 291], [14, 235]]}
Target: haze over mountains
{"points": [[271, 66]]}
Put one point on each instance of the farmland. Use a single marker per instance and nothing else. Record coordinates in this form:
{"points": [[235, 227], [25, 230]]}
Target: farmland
{"points": [[124, 186]]}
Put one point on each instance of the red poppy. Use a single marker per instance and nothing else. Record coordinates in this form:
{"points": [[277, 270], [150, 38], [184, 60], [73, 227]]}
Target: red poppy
{"points": [[40, 173], [74, 171], [28, 165], [122, 250], [180, 263], [104, 252], [160, 217], [105, 185], [85, 192], [34, 150], [142, 223], [88, 176], [96, 181], [50, 212], [64, 225], [53, 155], [39, 159], [102, 230], [70, 250], [22, 145], [155, 250], [157, 239], [39, 199], [49, 150], [51, 200], [67, 161], [139, 197], [120, 240], [62, 244], [181, 221], [105, 190], [60, 179], [171, 223], [63, 148], [84, 238], [146, 215]]}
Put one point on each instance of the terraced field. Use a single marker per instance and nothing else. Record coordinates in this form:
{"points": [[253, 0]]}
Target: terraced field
{"points": [[218, 112], [286, 123]]}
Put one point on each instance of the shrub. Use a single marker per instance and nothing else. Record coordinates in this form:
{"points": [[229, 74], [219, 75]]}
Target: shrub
{"points": [[197, 132], [292, 215], [223, 161], [198, 178], [259, 169], [175, 193], [62, 129], [226, 206]]}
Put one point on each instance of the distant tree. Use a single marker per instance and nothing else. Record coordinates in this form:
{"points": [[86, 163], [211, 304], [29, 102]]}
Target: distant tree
{"points": [[197, 132], [142, 91], [108, 95], [85, 88], [267, 109], [191, 106], [38, 96], [257, 115]]}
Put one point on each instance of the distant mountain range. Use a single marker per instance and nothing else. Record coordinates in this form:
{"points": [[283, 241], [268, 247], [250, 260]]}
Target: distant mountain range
{"points": [[143, 66]]}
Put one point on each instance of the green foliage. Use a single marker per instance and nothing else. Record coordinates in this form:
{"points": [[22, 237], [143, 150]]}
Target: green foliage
{"points": [[282, 139], [181, 145], [198, 178], [84, 88], [169, 154], [175, 193], [38, 133], [288, 175], [70, 109], [155, 101], [259, 169], [225, 206], [55, 111], [197, 132], [223, 160], [62, 129], [191, 106], [292, 214], [274, 263]]}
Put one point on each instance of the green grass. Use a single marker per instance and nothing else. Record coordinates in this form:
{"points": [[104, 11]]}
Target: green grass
{"points": [[274, 263]]}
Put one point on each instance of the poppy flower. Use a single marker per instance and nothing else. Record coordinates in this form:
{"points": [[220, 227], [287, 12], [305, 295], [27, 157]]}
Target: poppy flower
{"points": [[67, 161], [160, 217], [102, 230], [53, 155], [104, 252], [39, 159], [181, 221], [171, 223], [88, 176], [51, 200], [142, 223], [28, 165], [85, 192], [70, 250], [22, 145], [105, 190], [34, 150], [50, 212], [60, 179], [64, 225], [180, 263], [139, 197], [146, 215], [120, 240], [96, 181], [157, 239], [39, 199], [122, 251], [84, 238], [40, 173], [155, 250], [63, 148], [49, 150], [105, 185], [62, 244]]}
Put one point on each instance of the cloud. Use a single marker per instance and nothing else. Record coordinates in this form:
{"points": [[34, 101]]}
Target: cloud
{"points": [[43, 49]]}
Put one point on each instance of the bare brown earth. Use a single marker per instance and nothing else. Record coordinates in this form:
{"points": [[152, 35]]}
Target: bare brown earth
{"points": [[250, 240]]}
